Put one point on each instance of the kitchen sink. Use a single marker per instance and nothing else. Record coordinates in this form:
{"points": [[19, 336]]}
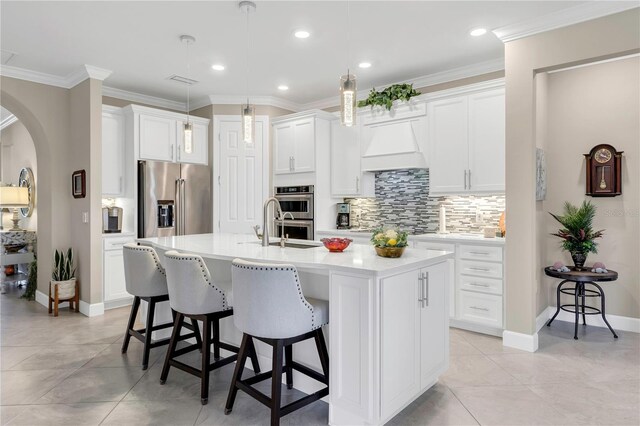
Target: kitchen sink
{"points": [[288, 245]]}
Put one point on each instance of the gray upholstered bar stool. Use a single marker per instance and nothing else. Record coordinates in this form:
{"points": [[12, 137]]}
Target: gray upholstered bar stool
{"points": [[146, 280], [269, 306], [192, 294]]}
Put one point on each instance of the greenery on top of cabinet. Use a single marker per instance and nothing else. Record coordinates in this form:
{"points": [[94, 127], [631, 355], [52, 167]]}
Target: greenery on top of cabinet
{"points": [[386, 97]]}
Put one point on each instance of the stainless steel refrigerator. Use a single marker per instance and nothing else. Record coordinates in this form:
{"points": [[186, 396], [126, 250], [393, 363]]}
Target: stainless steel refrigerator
{"points": [[173, 199]]}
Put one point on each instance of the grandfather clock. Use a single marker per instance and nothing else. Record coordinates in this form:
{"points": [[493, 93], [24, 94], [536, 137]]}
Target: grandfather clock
{"points": [[604, 170]]}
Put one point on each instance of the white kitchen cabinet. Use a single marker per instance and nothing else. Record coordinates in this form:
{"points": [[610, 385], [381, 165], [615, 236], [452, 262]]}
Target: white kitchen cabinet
{"points": [[294, 146], [347, 178], [449, 162], [199, 143], [429, 245], [114, 285], [415, 342], [467, 143], [157, 138], [113, 166], [158, 135]]}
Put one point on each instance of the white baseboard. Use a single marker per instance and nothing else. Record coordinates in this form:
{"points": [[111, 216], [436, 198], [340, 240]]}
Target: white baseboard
{"points": [[113, 304], [90, 310], [618, 322], [524, 342], [542, 319]]}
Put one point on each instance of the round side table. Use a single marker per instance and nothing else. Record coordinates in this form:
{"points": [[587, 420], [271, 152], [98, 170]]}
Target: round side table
{"points": [[580, 292]]}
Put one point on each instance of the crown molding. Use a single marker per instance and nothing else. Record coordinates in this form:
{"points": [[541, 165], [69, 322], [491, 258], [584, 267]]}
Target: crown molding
{"points": [[423, 81], [66, 82], [8, 121], [143, 99], [562, 18], [255, 100]]}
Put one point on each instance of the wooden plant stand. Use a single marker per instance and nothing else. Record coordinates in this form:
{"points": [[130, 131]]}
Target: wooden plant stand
{"points": [[54, 300]]}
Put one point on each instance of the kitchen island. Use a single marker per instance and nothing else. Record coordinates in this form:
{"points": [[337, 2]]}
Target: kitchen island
{"points": [[388, 326]]}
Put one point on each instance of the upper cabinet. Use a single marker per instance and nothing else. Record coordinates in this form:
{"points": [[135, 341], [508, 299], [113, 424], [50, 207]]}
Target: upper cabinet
{"points": [[159, 135], [347, 177], [294, 146], [467, 142], [113, 167]]}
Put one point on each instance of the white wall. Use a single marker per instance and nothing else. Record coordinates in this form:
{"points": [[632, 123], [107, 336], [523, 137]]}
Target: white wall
{"points": [[589, 106], [18, 151]]}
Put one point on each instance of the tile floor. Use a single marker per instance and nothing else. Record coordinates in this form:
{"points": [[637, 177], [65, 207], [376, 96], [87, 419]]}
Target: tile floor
{"points": [[69, 370]]}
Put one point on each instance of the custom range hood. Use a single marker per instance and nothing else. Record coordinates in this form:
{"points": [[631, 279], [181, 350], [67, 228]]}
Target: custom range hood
{"points": [[395, 139]]}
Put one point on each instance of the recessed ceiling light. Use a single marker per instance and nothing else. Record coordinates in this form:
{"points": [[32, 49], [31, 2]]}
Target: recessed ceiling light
{"points": [[364, 64], [302, 34], [283, 87], [218, 67], [478, 32]]}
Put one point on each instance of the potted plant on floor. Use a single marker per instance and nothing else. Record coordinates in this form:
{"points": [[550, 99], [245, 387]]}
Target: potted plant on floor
{"points": [[577, 233], [63, 286]]}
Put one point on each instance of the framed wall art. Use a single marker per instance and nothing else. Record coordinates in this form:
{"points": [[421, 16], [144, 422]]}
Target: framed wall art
{"points": [[79, 184]]}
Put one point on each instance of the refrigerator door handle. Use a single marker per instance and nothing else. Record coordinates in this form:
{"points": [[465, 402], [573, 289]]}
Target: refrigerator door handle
{"points": [[141, 207], [183, 207], [178, 212]]}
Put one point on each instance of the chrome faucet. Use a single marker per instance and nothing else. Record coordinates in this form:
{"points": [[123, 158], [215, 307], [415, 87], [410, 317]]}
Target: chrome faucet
{"points": [[265, 223], [284, 238]]}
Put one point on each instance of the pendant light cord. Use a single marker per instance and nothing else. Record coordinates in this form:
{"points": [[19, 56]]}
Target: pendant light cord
{"points": [[189, 77], [348, 38], [247, 71]]}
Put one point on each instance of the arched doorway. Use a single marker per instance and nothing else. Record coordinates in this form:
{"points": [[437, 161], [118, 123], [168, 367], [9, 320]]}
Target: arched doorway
{"points": [[18, 162], [45, 217]]}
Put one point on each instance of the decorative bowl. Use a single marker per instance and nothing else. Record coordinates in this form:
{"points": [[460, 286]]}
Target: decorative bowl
{"points": [[390, 251], [335, 244]]}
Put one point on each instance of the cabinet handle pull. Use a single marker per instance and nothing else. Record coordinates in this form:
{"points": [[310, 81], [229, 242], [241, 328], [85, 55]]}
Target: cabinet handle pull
{"points": [[357, 184], [469, 178], [294, 163], [426, 289], [465, 179], [479, 309], [480, 253], [421, 298], [121, 186], [479, 269], [479, 284], [171, 151]]}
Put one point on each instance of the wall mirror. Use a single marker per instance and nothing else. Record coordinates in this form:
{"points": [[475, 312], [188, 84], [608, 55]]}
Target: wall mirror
{"points": [[27, 180]]}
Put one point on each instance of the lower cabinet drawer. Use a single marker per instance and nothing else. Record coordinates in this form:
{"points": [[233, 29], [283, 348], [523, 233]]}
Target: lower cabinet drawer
{"points": [[480, 308], [480, 284], [480, 269], [431, 245]]}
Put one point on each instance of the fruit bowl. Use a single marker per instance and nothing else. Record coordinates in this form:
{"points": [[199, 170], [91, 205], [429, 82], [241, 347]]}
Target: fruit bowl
{"points": [[335, 244]]}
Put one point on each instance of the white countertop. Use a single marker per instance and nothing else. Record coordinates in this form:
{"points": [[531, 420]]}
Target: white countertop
{"points": [[356, 258], [453, 237]]}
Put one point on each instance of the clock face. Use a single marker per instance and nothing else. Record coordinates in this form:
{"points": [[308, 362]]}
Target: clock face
{"points": [[602, 155]]}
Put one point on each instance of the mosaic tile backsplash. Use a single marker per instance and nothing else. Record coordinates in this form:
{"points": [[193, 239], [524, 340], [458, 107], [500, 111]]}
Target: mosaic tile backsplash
{"points": [[402, 200]]}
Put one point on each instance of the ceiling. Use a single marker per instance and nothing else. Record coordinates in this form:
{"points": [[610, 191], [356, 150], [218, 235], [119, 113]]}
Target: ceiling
{"points": [[139, 42]]}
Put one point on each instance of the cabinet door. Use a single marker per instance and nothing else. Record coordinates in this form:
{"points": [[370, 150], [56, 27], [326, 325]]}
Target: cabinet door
{"points": [[199, 147], [431, 245], [114, 283], [448, 141], [345, 160], [434, 322], [400, 335], [112, 154], [157, 138], [284, 148], [487, 141], [304, 159]]}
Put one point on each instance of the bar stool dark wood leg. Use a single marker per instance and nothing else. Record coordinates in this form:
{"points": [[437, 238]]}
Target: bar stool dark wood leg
{"points": [[131, 323], [206, 358], [237, 373], [276, 383], [148, 332], [216, 339], [288, 362], [175, 334], [253, 355], [196, 330], [322, 352]]}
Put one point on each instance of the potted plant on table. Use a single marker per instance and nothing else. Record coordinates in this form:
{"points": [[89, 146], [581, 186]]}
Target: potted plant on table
{"points": [[390, 242], [577, 233]]}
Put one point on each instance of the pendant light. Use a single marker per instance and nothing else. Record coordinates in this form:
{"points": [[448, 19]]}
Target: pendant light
{"points": [[348, 86], [188, 126], [247, 110]]}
